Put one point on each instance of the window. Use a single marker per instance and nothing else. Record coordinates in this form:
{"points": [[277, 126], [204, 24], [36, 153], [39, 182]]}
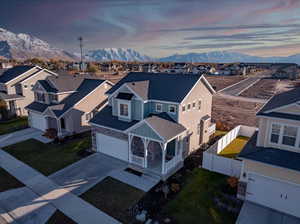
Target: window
{"points": [[199, 104], [183, 108], [53, 97], [124, 110], [275, 133], [40, 97], [172, 109], [194, 105], [158, 107], [25, 86], [289, 135], [188, 106], [199, 129]]}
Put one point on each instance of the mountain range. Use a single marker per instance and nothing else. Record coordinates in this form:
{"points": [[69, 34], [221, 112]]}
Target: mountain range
{"points": [[23, 46]]}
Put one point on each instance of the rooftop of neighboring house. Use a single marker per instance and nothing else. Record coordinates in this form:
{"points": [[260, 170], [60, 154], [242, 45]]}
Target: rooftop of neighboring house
{"points": [[14, 72], [281, 100], [80, 87], [160, 86], [281, 158]]}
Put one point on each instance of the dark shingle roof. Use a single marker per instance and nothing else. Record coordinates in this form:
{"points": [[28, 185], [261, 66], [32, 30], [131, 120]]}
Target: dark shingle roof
{"points": [[14, 72], [87, 86], [105, 118], [162, 86], [39, 107], [272, 156], [281, 99], [65, 83], [47, 87]]}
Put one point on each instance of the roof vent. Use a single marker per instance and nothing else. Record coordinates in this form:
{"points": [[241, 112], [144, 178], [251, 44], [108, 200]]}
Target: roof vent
{"points": [[133, 83]]}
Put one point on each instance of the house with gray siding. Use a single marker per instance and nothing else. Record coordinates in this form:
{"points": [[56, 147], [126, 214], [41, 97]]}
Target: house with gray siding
{"points": [[66, 103], [153, 121], [16, 84]]}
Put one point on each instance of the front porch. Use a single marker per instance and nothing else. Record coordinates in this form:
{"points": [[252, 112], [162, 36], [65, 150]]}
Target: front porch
{"points": [[159, 157], [57, 124]]}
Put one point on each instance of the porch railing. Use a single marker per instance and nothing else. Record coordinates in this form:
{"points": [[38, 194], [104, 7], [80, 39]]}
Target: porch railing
{"points": [[137, 160], [172, 163], [212, 128]]}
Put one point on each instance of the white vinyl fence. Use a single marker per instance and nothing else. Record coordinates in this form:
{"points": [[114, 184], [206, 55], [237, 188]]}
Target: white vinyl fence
{"points": [[214, 162]]}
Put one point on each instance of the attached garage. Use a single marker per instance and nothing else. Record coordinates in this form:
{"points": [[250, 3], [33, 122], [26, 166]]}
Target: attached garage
{"points": [[275, 194], [37, 121], [112, 146]]}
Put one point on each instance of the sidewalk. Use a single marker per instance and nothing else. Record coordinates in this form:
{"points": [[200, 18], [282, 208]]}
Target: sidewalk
{"points": [[71, 205]]}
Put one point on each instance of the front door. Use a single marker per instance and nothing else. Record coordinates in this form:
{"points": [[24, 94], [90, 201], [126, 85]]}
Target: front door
{"points": [[12, 106], [62, 123]]}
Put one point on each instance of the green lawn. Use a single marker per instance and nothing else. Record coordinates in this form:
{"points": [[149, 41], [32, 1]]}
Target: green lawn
{"points": [[13, 125], [220, 133], [114, 198], [48, 158], [7, 181], [60, 218], [194, 204], [234, 147]]}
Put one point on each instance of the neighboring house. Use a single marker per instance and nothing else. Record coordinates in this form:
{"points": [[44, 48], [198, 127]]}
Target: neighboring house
{"points": [[270, 173], [16, 84], [154, 121], [66, 103]]}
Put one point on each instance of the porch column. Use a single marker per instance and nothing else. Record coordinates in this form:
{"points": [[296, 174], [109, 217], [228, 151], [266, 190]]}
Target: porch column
{"points": [[164, 147], [58, 127], [146, 143], [129, 148]]}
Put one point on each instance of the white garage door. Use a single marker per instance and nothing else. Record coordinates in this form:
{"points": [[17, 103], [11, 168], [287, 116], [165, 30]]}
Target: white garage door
{"points": [[274, 194], [37, 121], [112, 146]]}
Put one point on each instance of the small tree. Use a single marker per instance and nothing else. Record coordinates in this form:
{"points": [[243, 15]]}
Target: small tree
{"points": [[3, 110], [92, 68]]}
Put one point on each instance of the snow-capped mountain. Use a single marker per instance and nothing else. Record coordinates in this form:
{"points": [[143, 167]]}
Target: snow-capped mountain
{"points": [[214, 57], [119, 54], [228, 57], [23, 46]]}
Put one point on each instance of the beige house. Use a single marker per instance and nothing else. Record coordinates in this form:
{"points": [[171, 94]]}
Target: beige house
{"points": [[154, 121], [16, 84], [66, 103], [270, 175]]}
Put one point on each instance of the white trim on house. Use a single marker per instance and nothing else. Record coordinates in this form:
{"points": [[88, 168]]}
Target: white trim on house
{"points": [[124, 102], [6, 83], [295, 148], [81, 99], [175, 109], [205, 81], [37, 73], [161, 107], [277, 118], [282, 107]]}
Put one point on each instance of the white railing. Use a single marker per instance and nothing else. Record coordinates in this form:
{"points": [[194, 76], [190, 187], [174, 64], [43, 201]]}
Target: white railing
{"points": [[172, 163], [137, 160]]}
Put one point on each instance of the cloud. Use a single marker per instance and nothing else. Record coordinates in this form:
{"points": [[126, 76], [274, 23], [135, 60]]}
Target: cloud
{"points": [[208, 46]]}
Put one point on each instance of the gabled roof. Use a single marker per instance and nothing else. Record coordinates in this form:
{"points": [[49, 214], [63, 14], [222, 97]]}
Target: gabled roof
{"points": [[161, 86], [280, 100], [86, 87], [162, 129], [14, 72], [47, 86], [271, 156], [64, 83]]}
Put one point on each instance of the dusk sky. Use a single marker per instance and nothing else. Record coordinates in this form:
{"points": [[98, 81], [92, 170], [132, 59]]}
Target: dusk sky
{"points": [[160, 27]]}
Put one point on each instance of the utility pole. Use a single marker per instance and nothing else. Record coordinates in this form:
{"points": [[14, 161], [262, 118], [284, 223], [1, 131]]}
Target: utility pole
{"points": [[81, 53]]}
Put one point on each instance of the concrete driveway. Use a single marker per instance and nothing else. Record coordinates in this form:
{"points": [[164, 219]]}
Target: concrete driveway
{"points": [[22, 135], [254, 213], [42, 195], [84, 174]]}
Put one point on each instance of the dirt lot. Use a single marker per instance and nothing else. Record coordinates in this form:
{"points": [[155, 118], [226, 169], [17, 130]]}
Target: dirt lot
{"points": [[266, 88], [234, 112], [114, 78], [220, 82]]}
